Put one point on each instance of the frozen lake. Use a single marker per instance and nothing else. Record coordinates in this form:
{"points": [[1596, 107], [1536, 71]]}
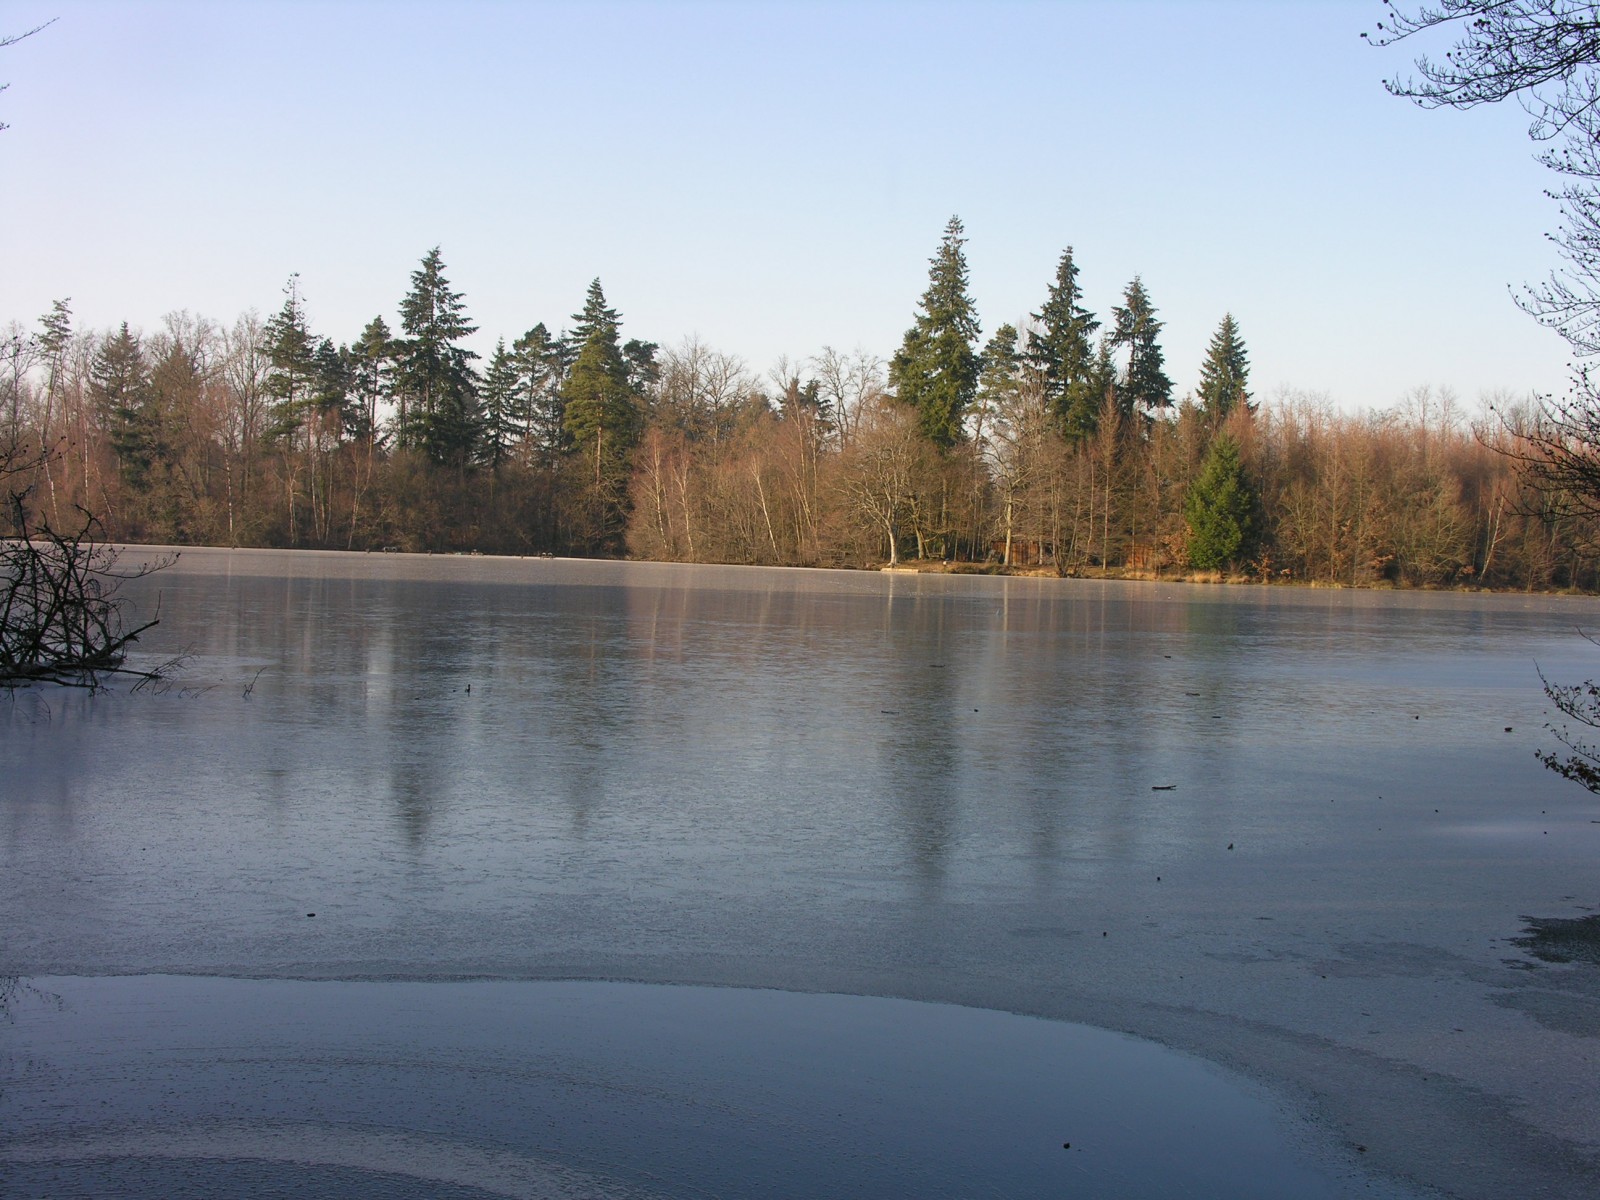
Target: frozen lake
{"points": [[924, 788]]}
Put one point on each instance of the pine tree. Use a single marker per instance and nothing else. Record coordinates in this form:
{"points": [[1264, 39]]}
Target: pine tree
{"points": [[501, 385], [602, 416], [1061, 350], [542, 362], [1001, 377], [799, 399], [1145, 381], [371, 364], [936, 369], [119, 385], [1221, 509], [55, 339], [643, 370], [601, 407], [1102, 382], [1225, 373], [291, 358], [55, 335], [333, 379], [434, 376]]}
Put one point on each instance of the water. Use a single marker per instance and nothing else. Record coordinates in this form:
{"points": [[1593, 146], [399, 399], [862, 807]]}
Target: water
{"points": [[938, 789]]}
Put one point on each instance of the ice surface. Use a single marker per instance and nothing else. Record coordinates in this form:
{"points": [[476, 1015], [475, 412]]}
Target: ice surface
{"points": [[925, 787]]}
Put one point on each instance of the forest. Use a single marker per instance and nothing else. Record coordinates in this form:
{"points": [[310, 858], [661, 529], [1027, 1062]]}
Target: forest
{"points": [[1055, 446]]}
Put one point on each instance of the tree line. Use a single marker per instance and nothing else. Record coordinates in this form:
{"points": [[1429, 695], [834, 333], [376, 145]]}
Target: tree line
{"points": [[1057, 444]]}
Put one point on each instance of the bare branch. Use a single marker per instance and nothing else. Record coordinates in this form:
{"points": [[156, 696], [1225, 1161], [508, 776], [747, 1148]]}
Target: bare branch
{"points": [[13, 38], [61, 617], [1580, 703]]}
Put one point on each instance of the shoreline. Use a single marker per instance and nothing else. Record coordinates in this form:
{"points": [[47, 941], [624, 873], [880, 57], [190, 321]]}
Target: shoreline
{"points": [[929, 567]]}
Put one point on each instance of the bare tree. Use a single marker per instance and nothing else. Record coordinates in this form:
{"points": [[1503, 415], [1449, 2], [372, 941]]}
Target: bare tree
{"points": [[700, 390], [1545, 55], [878, 475], [848, 385]]}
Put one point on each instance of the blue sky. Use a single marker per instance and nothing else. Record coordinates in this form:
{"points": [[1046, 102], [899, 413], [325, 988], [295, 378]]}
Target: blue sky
{"points": [[773, 177]]}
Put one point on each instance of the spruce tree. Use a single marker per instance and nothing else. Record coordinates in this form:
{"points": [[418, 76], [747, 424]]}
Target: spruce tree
{"points": [[936, 369], [501, 384], [292, 367], [1221, 509], [371, 365], [1000, 378], [542, 362], [799, 399], [433, 373], [602, 416], [643, 370], [601, 407], [1145, 381], [1225, 373], [333, 379], [119, 385], [1062, 351], [1102, 385]]}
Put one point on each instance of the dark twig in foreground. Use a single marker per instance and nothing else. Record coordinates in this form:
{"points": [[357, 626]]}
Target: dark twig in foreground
{"points": [[1581, 703], [61, 618]]}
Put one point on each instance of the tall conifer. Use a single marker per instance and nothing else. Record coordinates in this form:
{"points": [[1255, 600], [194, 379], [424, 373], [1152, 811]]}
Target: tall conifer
{"points": [[371, 369], [333, 381], [119, 384], [542, 362], [602, 414], [602, 409], [291, 353], [55, 336], [936, 369], [1062, 351], [1002, 368], [1221, 509], [501, 429], [1225, 373], [1145, 381], [433, 372]]}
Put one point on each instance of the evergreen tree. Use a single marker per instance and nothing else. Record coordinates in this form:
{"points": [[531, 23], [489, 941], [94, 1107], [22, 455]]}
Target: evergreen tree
{"points": [[1225, 372], [1000, 379], [55, 336], [602, 416], [55, 339], [1061, 350], [119, 385], [333, 379], [1102, 378], [292, 367], [371, 365], [936, 369], [501, 385], [542, 362], [799, 399], [1005, 379], [643, 370], [439, 410], [1145, 381], [601, 408], [1221, 509]]}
